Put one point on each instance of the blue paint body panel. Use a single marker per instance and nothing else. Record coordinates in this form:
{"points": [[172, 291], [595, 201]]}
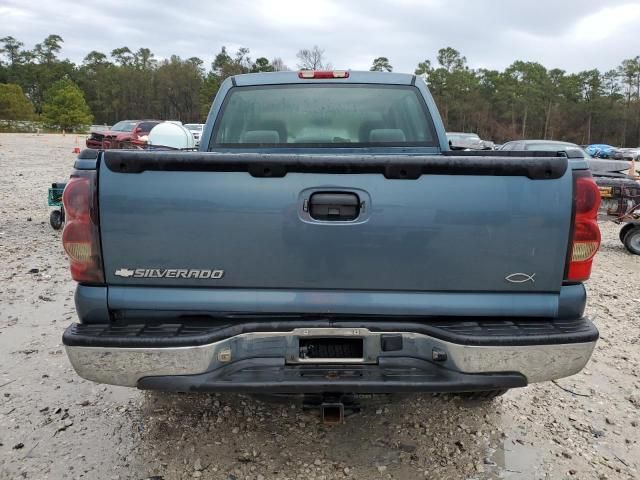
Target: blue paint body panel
{"points": [[419, 235], [135, 301]]}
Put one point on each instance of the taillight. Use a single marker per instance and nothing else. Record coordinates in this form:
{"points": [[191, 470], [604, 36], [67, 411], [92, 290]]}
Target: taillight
{"points": [[308, 74], [80, 237], [585, 237]]}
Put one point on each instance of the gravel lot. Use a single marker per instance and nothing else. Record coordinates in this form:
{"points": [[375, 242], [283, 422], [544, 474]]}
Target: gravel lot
{"points": [[55, 425]]}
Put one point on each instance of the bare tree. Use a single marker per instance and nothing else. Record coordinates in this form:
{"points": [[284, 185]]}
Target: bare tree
{"points": [[313, 59], [279, 65]]}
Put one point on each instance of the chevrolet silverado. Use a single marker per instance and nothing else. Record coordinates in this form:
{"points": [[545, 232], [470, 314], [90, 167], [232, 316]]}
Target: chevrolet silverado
{"points": [[326, 240]]}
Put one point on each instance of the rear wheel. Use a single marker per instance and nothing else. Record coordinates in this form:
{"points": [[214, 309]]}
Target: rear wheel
{"points": [[624, 230], [56, 219], [632, 240]]}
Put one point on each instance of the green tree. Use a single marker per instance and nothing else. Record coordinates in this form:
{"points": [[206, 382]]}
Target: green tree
{"points": [[65, 106], [95, 59], [451, 60], [13, 103], [96, 78], [47, 51], [526, 83], [262, 65], [123, 56], [424, 68], [143, 59], [12, 49], [198, 63], [456, 88], [224, 66], [381, 64], [178, 84]]}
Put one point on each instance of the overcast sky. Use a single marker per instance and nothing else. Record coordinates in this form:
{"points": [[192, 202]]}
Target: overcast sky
{"points": [[569, 34]]}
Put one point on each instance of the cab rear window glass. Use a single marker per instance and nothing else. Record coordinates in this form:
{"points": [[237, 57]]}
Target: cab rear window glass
{"points": [[323, 115], [147, 126]]}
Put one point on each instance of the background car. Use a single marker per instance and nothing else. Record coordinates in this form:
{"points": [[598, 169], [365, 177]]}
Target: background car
{"points": [[596, 165], [631, 153], [99, 128], [601, 150], [611, 176], [196, 131], [471, 141], [123, 134]]}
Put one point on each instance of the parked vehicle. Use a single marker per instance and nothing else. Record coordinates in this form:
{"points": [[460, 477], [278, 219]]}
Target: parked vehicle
{"points": [[98, 128], [196, 131], [123, 134], [601, 150], [631, 153], [317, 244], [620, 193], [470, 141], [172, 135], [54, 199], [597, 166]]}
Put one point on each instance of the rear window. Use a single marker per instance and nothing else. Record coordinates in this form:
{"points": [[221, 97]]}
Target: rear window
{"points": [[147, 126], [323, 116], [123, 126]]}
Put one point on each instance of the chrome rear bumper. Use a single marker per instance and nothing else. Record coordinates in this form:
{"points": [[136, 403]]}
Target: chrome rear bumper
{"points": [[129, 366]]}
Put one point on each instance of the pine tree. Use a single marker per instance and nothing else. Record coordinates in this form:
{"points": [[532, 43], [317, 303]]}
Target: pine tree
{"points": [[65, 106]]}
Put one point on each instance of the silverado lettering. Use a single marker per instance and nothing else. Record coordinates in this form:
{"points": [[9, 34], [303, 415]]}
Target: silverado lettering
{"points": [[168, 273]]}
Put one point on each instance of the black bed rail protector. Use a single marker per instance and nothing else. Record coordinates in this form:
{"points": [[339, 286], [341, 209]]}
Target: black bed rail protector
{"points": [[534, 165], [487, 332]]}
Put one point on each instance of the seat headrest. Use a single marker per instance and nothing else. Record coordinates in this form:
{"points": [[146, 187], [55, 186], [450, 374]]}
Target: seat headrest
{"points": [[387, 135], [260, 136]]}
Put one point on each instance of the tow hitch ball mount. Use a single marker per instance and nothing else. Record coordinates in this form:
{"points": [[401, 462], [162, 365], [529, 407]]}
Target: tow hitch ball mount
{"points": [[333, 408]]}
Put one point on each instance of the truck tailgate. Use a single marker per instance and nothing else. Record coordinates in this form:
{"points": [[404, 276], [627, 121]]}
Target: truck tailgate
{"points": [[187, 220]]}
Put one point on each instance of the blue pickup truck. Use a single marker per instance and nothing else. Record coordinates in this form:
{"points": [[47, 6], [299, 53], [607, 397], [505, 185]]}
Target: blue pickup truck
{"points": [[325, 240]]}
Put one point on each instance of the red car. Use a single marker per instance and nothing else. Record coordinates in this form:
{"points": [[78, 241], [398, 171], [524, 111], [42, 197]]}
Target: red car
{"points": [[124, 134]]}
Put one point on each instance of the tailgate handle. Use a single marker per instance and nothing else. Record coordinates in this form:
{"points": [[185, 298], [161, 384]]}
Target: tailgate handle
{"points": [[334, 206]]}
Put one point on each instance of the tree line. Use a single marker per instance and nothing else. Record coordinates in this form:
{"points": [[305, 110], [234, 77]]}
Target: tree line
{"points": [[525, 100]]}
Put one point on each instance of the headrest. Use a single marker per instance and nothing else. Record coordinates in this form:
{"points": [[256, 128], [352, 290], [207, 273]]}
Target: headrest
{"points": [[260, 136], [386, 135]]}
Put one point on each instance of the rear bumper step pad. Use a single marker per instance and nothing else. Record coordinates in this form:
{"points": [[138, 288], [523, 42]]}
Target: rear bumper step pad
{"points": [[464, 331], [395, 359], [389, 376]]}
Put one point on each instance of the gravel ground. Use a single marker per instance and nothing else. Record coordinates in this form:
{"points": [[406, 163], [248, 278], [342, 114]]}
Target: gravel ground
{"points": [[55, 425]]}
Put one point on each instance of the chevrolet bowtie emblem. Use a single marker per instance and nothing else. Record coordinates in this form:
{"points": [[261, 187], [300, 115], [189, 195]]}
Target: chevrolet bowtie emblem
{"points": [[124, 272]]}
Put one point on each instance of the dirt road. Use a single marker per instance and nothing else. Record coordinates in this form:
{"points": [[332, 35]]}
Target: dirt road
{"points": [[54, 425]]}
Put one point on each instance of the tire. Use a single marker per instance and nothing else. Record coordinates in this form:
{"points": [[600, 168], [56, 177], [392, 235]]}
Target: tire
{"points": [[56, 219], [632, 240], [624, 230]]}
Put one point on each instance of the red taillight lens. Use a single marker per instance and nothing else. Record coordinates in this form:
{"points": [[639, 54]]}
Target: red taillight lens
{"points": [[308, 74], [586, 195], [585, 239], [80, 237], [76, 198]]}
